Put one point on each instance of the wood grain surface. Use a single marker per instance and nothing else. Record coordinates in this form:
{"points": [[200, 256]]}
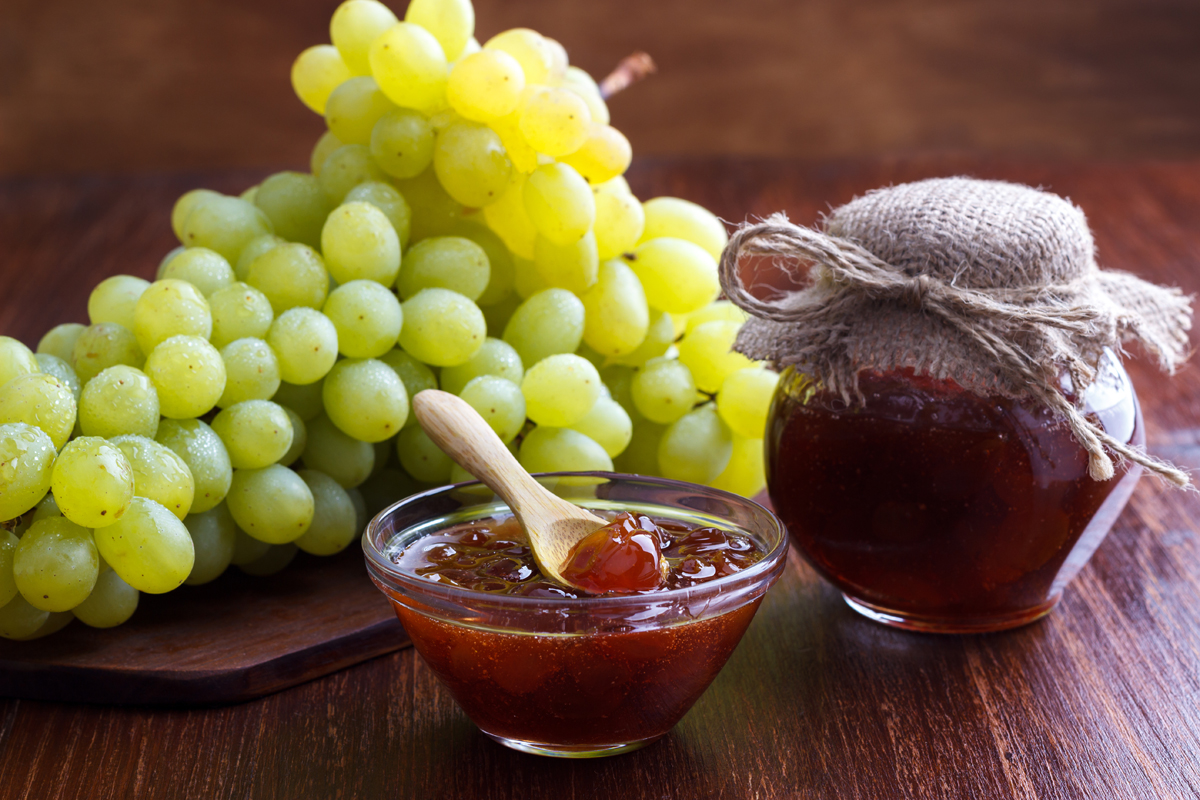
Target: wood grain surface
{"points": [[1099, 700]]}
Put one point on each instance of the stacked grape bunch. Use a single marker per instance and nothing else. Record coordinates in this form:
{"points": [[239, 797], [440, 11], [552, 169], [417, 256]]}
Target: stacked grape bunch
{"points": [[465, 226]]}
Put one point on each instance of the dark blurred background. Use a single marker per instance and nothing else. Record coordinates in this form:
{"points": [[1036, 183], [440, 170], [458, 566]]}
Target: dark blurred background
{"points": [[149, 85]]}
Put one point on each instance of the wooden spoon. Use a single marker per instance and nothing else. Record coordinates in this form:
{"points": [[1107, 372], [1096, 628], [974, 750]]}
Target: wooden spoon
{"points": [[554, 526]]}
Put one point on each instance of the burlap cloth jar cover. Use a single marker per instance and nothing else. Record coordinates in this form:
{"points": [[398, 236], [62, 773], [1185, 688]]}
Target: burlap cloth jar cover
{"points": [[993, 285]]}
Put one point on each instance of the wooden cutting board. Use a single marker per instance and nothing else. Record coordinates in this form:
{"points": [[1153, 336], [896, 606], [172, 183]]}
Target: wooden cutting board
{"points": [[234, 639]]}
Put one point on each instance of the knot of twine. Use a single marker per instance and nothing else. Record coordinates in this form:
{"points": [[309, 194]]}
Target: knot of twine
{"points": [[853, 273]]}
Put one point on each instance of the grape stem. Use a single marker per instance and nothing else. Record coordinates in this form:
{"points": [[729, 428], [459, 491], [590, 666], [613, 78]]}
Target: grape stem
{"points": [[632, 69]]}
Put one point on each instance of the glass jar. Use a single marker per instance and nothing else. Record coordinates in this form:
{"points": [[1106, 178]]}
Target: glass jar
{"points": [[933, 508]]}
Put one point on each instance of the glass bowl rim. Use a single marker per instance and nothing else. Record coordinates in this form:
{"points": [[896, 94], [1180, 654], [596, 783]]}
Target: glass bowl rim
{"points": [[763, 571]]}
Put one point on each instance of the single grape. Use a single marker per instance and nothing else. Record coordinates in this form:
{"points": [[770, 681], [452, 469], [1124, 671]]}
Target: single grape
{"points": [[63, 371], [471, 163], [529, 48], [619, 219], [708, 353], [446, 262], [306, 344], [111, 603], [249, 194], [421, 458], [256, 433], [8, 584], [56, 564], [224, 224], [679, 277], [15, 359], [485, 85], [663, 390], [434, 213], [119, 400], [509, 219], [162, 264], [60, 341], [659, 336], [355, 24], [604, 155], [205, 456], [547, 449], [365, 399], [187, 203], [745, 474], [559, 203], [555, 121], [299, 438], [19, 620], [387, 199], [345, 168], [696, 447], [617, 317], [548, 323], [360, 243], [559, 62], [500, 402], [205, 269], [680, 219], [348, 461], [169, 308], [148, 547], [104, 345], [188, 374], [367, 318], [574, 267], [251, 251], [42, 401], [353, 109], [560, 389], [290, 275], [500, 264], [442, 328], [296, 205], [721, 310], [608, 425], [495, 357], [273, 561], [316, 72], [321, 151], [585, 86], [450, 21], [273, 504], [114, 299], [410, 66], [304, 400], [251, 372], [745, 399], [402, 143], [333, 525]]}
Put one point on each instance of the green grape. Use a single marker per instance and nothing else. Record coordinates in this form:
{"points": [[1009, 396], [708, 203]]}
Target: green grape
{"points": [[560, 389], [8, 584], [299, 438], [721, 310], [583, 85], [547, 449], [415, 376], [56, 564], [527, 280], [471, 164], [251, 372], [119, 400], [256, 433], [290, 275], [15, 359], [213, 535], [92, 482], [366, 399], [273, 504], [485, 85], [663, 390], [53, 365], [114, 298], [304, 400], [321, 151], [442, 328], [162, 265], [555, 121], [111, 603], [559, 203], [745, 399], [345, 168], [421, 458], [640, 457], [495, 357], [334, 518], [708, 353], [316, 72], [159, 473], [367, 318], [247, 549], [574, 267], [348, 461], [60, 341], [306, 344], [696, 447], [355, 24], [434, 213], [239, 311], [19, 620], [607, 425], [745, 474], [680, 219], [410, 66], [169, 308], [148, 547], [46, 507], [249, 194], [184, 206], [548, 323], [224, 224], [446, 262], [251, 251], [450, 21], [206, 270], [659, 337], [393, 205], [604, 155], [679, 277], [353, 109], [616, 315], [497, 315], [42, 401], [500, 402], [500, 264], [360, 243], [296, 205], [205, 456], [188, 374], [275, 560], [619, 219], [558, 61], [529, 48], [508, 218], [402, 143]]}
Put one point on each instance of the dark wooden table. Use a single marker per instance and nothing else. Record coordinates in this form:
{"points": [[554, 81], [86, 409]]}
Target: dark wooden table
{"points": [[1100, 700]]}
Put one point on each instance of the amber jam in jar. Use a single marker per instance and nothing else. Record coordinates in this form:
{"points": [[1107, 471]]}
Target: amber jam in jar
{"points": [[933, 508]]}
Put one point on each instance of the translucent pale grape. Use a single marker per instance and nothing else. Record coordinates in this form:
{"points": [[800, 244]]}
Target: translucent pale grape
{"points": [[119, 400], [60, 341], [170, 308], [574, 267], [205, 269], [560, 389], [549, 322], [421, 458], [472, 164], [500, 402], [387, 199], [547, 449], [15, 359], [682, 219], [316, 72], [273, 504], [485, 85], [529, 48], [114, 299], [442, 328], [608, 425], [495, 357], [158, 473], [333, 525], [42, 401], [251, 372], [213, 536], [55, 564], [452, 22], [148, 547], [446, 262], [291, 275], [104, 345], [678, 276], [745, 399], [410, 66], [345, 168], [697, 447], [348, 461], [188, 374], [205, 456], [619, 219], [616, 314], [360, 243], [708, 352], [663, 390], [306, 344], [559, 203], [365, 399], [92, 482], [367, 318], [296, 205], [355, 25], [111, 603], [224, 224], [304, 400], [256, 433]]}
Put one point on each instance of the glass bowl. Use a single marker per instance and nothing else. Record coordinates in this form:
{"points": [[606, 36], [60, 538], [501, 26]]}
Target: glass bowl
{"points": [[576, 677]]}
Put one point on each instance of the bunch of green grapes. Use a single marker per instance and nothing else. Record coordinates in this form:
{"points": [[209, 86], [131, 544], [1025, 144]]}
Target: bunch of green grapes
{"points": [[464, 225]]}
